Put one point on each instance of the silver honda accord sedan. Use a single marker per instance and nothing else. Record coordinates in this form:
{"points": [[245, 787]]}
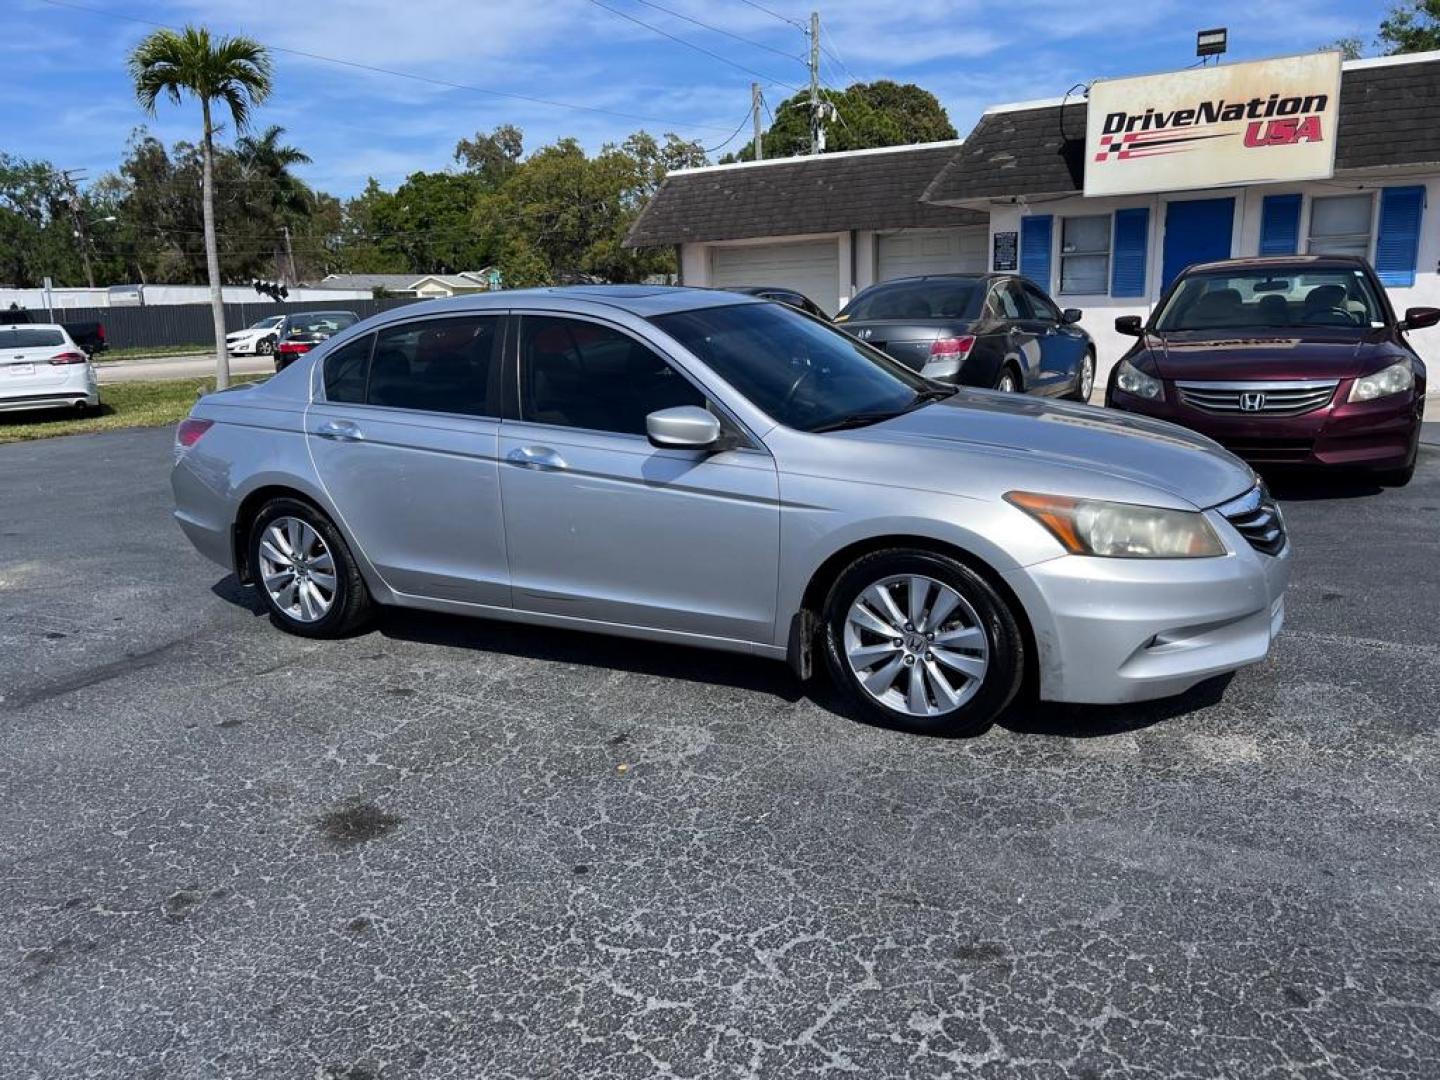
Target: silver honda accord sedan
{"points": [[699, 467]]}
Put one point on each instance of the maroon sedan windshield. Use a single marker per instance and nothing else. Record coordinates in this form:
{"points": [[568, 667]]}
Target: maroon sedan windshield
{"points": [[1272, 297]]}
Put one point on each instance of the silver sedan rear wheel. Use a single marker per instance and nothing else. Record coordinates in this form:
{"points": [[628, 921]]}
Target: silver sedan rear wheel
{"points": [[297, 569], [915, 645]]}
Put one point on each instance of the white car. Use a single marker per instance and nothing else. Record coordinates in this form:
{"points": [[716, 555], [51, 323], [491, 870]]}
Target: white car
{"points": [[256, 340], [41, 367]]}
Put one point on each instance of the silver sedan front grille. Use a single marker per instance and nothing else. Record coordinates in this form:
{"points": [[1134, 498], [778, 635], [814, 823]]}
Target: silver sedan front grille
{"points": [[1290, 398], [1257, 518]]}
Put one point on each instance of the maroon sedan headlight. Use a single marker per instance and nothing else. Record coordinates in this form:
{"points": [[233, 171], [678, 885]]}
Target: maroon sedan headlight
{"points": [[1134, 381], [1395, 379]]}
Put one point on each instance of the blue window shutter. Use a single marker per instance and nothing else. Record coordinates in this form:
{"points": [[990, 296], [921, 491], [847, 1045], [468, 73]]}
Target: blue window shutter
{"points": [[1127, 260], [1398, 244], [1035, 249], [1280, 225]]}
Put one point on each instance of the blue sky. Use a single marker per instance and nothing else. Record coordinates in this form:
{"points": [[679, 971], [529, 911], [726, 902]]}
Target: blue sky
{"points": [[64, 95]]}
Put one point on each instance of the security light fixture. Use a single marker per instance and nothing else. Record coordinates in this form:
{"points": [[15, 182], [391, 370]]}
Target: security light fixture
{"points": [[1211, 42]]}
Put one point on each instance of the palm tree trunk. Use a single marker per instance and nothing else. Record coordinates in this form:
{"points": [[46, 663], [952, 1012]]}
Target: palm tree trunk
{"points": [[212, 254]]}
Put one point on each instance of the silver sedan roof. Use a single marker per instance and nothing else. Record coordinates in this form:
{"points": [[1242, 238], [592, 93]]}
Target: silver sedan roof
{"points": [[642, 300]]}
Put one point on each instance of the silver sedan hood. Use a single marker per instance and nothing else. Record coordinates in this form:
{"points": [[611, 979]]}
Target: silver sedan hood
{"points": [[1149, 452]]}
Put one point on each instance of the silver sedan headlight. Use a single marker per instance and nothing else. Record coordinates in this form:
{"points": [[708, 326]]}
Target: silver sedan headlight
{"points": [[1395, 379], [1120, 530], [1134, 381]]}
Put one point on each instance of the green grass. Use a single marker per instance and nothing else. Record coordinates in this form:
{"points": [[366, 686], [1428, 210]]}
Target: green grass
{"points": [[122, 405], [147, 352]]}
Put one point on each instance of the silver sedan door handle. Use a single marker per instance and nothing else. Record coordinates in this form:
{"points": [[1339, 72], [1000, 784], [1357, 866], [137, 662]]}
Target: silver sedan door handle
{"points": [[340, 431], [535, 457]]}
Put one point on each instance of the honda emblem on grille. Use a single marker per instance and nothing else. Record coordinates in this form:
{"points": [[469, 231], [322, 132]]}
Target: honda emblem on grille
{"points": [[1252, 401]]}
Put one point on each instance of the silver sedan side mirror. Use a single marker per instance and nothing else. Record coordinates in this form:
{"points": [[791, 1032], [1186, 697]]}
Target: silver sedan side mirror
{"points": [[685, 427]]}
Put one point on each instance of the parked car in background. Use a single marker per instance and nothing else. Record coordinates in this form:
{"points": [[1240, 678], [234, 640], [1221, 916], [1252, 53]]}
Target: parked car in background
{"points": [[990, 330], [258, 339], [87, 334], [301, 332], [693, 466], [1297, 360], [42, 367], [783, 296]]}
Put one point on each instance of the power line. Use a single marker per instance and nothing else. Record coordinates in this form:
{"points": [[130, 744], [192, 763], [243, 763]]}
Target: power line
{"points": [[374, 69], [720, 30], [835, 56], [738, 128], [774, 14], [688, 44]]}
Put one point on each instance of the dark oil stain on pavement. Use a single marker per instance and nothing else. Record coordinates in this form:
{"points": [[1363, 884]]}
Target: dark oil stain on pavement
{"points": [[177, 906], [356, 822]]}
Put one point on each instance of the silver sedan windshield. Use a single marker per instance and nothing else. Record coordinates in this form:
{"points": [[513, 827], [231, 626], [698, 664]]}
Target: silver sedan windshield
{"points": [[797, 370]]}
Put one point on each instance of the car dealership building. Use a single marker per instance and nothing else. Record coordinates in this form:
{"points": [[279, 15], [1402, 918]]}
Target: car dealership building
{"points": [[1100, 201]]}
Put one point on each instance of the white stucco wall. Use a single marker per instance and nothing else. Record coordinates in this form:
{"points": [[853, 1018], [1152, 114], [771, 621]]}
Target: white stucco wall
{"points": [[1101, 311]]}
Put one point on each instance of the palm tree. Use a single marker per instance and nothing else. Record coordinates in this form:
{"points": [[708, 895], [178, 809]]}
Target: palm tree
{"points": [[229, 71], [264, 158]]}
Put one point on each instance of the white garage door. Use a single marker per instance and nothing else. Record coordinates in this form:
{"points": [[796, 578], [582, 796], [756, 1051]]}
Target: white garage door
{"points": [[812, 268], [931, 251]]}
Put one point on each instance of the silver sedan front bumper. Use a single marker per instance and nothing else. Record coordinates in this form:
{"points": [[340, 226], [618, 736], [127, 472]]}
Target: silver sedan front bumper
{"points": [[1116, 630]]}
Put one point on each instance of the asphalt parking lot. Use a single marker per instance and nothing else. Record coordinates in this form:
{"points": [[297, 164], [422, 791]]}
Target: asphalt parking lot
{"points": [[455, 849]]}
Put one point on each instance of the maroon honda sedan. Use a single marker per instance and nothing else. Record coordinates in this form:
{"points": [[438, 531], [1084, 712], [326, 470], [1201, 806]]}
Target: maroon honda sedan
{"points": [[1284, 361]]}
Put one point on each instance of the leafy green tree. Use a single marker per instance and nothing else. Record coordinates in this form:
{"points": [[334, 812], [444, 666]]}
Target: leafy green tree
{"points": [[493, 157], [35, 225], [233, 73], [561, 217], [161, 214], [861, 117], [1412, 26], [266, 164], [363, 248]]}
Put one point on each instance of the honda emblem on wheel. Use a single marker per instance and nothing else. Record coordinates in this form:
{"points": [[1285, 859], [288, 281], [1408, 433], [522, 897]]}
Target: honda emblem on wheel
{"points": [[1252, 401]]}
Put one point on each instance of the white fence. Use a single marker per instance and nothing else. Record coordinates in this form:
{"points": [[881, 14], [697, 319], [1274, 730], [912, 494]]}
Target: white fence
{"points": [[159, 295]]}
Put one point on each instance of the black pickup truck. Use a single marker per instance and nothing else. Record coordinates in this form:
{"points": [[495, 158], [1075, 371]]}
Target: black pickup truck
{"points": [[90, 336]]}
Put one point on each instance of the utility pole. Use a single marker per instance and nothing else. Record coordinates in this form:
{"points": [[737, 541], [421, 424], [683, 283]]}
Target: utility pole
{"points": [[73, 201], [817, 129], [756, 101], [289, 254]]}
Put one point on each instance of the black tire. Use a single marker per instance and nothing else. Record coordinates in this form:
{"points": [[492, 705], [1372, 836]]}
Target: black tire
{"points": [[1016, 385], [1077, 393], [351, 607], [1005, 643]]}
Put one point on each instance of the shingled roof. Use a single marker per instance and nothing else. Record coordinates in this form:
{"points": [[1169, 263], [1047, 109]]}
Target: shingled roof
{"points": [[869, 189], [1387, 120]]}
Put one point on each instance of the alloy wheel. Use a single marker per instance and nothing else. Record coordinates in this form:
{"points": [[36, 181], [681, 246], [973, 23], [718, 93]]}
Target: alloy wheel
{"points": [[915, 645], [1006, 385], [1087, 377], [297, 569]]}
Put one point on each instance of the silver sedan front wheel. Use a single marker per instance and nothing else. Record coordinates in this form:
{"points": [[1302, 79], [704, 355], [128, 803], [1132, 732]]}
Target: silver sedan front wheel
{"points": [[297, 569], [915, 645]]}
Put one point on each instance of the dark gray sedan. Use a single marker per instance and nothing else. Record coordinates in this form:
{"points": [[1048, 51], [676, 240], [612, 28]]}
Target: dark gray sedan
{"points": [[992, 330]]}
